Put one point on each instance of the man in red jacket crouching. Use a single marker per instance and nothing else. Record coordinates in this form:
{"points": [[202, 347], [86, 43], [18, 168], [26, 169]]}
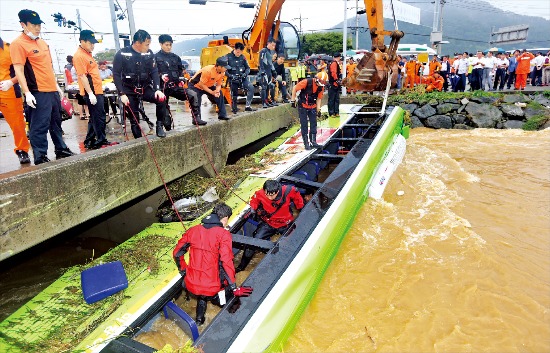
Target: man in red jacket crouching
{"points": [[210, 274], [272, 207]]}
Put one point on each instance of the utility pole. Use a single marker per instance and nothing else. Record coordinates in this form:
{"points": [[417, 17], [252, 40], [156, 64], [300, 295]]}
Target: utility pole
{"points": [[130, 10], [59, 52], [441, 16], [300, 19], [78, 19], [437, 6], [436, 37], [356, 25], [345, 44], [113, 22]]}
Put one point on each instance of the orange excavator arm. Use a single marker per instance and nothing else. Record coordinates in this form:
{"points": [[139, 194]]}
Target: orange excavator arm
{"points": [[268, 12], [374, 69], [266, 22]]}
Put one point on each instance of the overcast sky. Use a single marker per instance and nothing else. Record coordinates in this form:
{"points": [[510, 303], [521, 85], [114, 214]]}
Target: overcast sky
{"points": [[185, 21]]}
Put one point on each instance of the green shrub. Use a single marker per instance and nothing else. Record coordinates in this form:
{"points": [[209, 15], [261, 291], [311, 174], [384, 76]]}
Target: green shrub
{"points": [[535, 122]]}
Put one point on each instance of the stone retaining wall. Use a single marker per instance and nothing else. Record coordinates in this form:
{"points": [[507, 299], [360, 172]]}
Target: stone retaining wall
{"points": [[510, 111]]}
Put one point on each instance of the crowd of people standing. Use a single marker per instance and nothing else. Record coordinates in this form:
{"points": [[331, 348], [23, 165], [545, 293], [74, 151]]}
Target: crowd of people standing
{"points": [[480, 71]]}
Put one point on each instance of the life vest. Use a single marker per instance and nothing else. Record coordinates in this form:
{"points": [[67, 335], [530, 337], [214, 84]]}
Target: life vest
{"points": [[169, 64], [331, 79], [239, 64], [308, 96], [136, 67]]}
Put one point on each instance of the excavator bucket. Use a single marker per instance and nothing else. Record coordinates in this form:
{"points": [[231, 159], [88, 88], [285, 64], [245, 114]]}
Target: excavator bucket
{"points": [[371, 74]]}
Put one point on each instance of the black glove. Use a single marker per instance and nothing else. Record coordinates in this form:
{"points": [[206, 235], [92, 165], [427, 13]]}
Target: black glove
{"points": [[318, 113], [293, 104]]}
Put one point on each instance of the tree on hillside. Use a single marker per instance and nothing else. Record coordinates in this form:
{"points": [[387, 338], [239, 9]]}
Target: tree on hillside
{"points": [[107, 55], [323, 43]]}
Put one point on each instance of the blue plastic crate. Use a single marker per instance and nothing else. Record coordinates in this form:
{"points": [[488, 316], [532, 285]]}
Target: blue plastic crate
{"points": [[103, 280]]}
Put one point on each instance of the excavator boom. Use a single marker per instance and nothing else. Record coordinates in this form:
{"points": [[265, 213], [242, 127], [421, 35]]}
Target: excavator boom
{"points": [[374, 69]]}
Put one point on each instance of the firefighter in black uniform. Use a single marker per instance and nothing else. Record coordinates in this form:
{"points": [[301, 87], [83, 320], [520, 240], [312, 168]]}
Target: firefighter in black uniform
{"points": [[335, 86], [238, 77], [266, 71], [170, 70], [136, 78]]}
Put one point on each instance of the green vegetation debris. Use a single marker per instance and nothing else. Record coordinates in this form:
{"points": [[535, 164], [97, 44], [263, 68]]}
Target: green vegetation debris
{"points": [[535, 122], [77, 320], [230, 176]]}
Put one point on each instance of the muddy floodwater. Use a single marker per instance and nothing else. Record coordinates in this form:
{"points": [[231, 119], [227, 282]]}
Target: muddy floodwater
{"points": [[459, 263]]}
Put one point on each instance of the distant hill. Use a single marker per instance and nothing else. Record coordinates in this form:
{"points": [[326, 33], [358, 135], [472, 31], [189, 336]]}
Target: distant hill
{"points": [[465, 29], [199, 43]]}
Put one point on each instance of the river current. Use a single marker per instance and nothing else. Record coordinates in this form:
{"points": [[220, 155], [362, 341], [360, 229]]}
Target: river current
{"points": [[459, 263]]}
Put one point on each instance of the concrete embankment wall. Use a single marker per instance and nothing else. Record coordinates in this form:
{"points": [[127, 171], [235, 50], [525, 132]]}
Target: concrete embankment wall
{"points": [[41, 202]]}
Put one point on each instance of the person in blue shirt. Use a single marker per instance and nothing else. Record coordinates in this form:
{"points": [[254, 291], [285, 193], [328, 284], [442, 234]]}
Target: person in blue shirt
{"points": [[513, 64]]}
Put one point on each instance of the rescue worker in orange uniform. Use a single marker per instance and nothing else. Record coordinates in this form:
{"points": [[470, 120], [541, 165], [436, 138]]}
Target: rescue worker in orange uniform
{"points": [[32, 63], [91, 89], [411, 69], [309, 106], [11, 104], [350, 68], [523, 69], [210, 270], [208, 81], [434, 82], [435, 65], [271, 205]]}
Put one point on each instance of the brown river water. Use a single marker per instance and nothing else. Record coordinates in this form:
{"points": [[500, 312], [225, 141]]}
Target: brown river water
{"points": [[459, 263]]}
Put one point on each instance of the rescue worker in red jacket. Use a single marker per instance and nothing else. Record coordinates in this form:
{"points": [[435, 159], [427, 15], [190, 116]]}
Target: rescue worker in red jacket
{"points": [[272, 207], [335, 86], [210, 274]]}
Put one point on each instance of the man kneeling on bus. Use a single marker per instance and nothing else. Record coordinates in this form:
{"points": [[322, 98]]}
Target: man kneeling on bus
{"points": [[272, 206], [210, 273]]}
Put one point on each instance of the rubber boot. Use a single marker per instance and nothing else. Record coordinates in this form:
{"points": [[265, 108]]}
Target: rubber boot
{"points": [[168, 119], [234, 108], [313, 140], [136, 131], [201, 311], [245, 260], [306, 142], [160, 129]]}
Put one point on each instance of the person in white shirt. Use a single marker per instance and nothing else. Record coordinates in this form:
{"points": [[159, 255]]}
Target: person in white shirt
{"points": [[537, 63], [501, 65], [105, 73], [489, 67], [462, 71], [477, 63], [546, 70], [444, 72]]}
